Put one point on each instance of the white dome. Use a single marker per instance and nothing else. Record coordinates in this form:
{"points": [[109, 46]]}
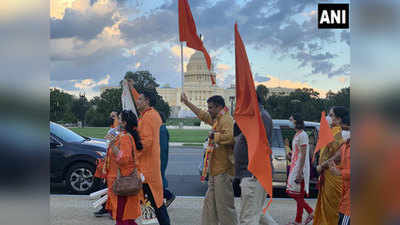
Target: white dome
{"points": [[197, 72]]}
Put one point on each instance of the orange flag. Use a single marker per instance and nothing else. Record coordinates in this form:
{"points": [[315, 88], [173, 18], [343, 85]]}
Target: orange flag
{"points": [[325, 135], [188, 32], [248, 118]]}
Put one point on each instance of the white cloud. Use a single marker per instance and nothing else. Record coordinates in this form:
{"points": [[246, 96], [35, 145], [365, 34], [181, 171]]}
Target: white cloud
{"points": [[89, 86], [223, 67], [105, 81], [187, 52], [343, 79], [85, 84]]}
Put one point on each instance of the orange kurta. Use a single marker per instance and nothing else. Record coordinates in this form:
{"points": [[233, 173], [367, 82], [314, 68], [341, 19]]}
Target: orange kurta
{"points": [[148, 158], [125, 162]]}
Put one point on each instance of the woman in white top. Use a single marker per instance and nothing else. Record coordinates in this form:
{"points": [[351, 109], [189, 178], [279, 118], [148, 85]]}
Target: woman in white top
{"points": [[299, 173]]}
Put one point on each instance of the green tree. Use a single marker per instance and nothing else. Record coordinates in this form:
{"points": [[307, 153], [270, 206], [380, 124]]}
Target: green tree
{"points": [[60, 106], [145, 80], [342, 98], [95, 118], [110, 100], [79, 108]]}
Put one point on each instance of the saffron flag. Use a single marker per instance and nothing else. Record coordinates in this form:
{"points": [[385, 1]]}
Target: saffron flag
{"points": [[188, 32], [248, 118], [325, 135]]}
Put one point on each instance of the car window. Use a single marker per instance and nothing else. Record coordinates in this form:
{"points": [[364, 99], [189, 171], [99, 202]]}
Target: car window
{"points": [[277, 140], [65, 134]]}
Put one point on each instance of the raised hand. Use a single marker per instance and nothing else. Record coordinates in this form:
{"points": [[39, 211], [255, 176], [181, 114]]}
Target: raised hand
{"points": [[184, 98]]}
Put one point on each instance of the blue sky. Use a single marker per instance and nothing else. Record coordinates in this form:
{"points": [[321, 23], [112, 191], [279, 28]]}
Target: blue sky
{"points": [[95, 42]]}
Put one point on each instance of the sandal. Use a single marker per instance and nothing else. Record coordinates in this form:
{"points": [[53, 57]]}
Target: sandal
{"points": [[309, 219]]}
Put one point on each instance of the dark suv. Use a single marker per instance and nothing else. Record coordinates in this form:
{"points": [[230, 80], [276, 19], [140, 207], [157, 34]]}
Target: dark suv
{"points": [[73, 159]]}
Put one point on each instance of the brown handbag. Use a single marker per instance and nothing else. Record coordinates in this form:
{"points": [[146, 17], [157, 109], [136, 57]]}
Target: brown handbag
{"points": [[128, 185]]}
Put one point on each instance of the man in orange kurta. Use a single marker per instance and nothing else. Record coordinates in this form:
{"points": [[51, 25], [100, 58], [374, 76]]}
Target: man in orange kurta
{"points": [[148, 159]]}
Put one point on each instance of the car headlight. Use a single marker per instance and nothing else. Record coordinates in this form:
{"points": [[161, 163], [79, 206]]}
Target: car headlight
{"points": [[102, 154]]}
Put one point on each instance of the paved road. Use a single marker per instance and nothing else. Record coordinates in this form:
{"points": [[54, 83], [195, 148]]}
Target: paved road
{"points": [[182, 173], [76, 210]]}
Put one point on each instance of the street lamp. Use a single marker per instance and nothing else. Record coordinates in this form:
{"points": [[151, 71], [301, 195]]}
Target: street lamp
{"points": [[232, 99]]}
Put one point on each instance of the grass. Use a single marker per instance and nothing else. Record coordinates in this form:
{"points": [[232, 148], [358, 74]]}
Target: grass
{"points": [[176, 135], [185, 121], [187, 136], [95, 132]]}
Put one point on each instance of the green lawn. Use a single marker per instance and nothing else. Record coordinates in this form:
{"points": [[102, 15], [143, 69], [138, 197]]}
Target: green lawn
{"points": [[187, 136], [176, 135]]}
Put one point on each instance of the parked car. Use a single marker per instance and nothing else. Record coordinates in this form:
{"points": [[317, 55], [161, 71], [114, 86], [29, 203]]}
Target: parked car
{"points": [[73, 159], [280, 132]]}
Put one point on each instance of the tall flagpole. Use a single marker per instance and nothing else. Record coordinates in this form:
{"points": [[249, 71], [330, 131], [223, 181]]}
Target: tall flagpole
{"points": [[182, 73]]}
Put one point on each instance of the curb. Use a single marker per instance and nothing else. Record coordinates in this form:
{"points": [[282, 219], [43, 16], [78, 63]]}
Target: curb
{"points": [[179, 144]]}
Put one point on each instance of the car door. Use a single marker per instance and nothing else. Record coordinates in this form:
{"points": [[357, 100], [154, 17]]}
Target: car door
{"points": [[56, 159], [278, 158]]}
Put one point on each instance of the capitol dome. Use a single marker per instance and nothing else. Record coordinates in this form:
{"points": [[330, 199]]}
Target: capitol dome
{"points": [[197, 73]]}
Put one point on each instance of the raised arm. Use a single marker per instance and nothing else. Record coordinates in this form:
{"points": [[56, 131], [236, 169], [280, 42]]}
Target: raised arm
{"points": [[204, 116]]}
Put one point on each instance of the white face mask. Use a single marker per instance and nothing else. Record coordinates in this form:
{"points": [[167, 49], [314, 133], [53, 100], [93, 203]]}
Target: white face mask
{"points": [[329, 119], [291, 125], [345, 134]]}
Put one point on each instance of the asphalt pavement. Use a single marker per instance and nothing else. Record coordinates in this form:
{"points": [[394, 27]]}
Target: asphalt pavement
{"points": [[182, 174]]}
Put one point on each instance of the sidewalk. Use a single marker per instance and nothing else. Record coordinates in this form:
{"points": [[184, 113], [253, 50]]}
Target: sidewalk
{"points": [[182, 144], [76, 210]]}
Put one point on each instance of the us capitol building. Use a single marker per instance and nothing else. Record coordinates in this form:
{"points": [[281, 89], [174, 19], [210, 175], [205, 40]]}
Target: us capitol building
{"points": [[198, 88]]}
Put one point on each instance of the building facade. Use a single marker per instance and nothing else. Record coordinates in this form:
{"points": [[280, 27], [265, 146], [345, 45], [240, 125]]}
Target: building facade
{"points": [[198, 88]]}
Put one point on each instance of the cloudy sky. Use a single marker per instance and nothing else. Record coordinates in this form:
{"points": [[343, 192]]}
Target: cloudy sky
{"points": [[95, 42]]}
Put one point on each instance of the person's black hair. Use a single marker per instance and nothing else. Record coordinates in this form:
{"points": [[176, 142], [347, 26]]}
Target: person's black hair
{"points": [[342, 113], [150, 95], [236, 130], [217, 100], [162, 115], [109, 121], [131, 127], [299, 124]]}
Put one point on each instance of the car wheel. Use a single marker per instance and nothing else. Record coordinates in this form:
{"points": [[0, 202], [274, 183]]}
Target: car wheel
{"points": [[80, 178]]}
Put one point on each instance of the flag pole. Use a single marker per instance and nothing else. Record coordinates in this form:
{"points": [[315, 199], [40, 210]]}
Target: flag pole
{"points": [[182, 73]]}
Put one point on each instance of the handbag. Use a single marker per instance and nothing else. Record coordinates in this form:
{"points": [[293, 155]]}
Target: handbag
{"points": [[128, 185]]}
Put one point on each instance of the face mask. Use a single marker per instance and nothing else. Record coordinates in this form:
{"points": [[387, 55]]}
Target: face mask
{"points": [[329, 119], [345, 134], [291, 125]]}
